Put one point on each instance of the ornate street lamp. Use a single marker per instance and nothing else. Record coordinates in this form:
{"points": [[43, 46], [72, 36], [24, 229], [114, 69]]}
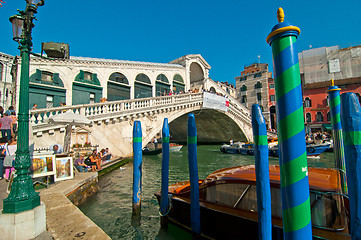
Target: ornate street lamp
{"points": [[22, 196]]}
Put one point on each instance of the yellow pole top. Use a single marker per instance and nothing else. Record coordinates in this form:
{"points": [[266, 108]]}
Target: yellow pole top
{"points": [[332, 83], [280, 15]]}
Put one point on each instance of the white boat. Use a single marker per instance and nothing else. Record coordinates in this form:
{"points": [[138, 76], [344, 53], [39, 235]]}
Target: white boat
{"points": [[173, 147]]}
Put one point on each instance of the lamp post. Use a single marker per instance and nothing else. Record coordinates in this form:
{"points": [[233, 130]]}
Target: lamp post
{"points": [[22, 196]]}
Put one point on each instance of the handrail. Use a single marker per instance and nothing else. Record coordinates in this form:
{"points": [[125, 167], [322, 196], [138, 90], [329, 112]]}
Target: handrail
{"points": [[39, 118]]}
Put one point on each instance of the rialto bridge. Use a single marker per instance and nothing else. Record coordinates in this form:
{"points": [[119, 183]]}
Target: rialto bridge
{"points": [[133, 91], [112, 122]]}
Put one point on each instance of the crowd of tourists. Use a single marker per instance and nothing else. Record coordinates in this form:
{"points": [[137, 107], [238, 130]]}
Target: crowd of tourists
{"points": [[317, 137], [93, 161]]}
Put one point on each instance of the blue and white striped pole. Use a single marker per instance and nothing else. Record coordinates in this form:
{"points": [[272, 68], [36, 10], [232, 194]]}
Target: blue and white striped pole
{"points": [[164, 200], [137, 168], [262, 174], [351, 130], [193, 175]]}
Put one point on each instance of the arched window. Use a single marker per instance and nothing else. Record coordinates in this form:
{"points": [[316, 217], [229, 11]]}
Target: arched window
{"points": [[319, 117], [162, 86], [258, 85], [178, 84], [328, 116], [308, 117], [244, 88], [142, 86], [118, 87], [307, 102], [119, 78], [213, 90]]}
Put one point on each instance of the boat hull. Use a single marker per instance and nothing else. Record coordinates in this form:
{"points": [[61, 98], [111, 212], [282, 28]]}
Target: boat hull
{"points": [[152, 152], [175, 148], [215, 224]]}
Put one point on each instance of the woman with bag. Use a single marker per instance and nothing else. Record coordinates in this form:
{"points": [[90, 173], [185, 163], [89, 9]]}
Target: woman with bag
{"points": [[9, 151]]}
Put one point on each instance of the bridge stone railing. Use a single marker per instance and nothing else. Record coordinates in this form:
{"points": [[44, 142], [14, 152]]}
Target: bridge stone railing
{"points": [[125, 109], [39, 118]]}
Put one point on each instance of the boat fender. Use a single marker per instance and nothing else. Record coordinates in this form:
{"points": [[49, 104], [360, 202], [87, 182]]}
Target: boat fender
{"points": [[311, 149]]}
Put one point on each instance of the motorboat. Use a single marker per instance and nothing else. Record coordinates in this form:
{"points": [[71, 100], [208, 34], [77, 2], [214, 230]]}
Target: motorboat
{"points": [[238, 148], [228, 204], [173, 147], [313, 150], [148, 151]]}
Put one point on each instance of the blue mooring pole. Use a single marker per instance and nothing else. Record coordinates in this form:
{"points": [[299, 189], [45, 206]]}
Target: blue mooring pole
{"points": [[193, 175], [262, 174], [351, 130], [164, 201], [338, 148], [137, 168]]}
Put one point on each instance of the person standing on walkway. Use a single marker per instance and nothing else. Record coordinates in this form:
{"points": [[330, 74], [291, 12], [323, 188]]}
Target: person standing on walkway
{"points": [[15, 122], [10, 110], [10, 149], [6, 126]]}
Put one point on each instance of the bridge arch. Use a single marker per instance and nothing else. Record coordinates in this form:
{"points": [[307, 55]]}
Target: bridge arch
{"points": [[223, 126], [196, 73]]}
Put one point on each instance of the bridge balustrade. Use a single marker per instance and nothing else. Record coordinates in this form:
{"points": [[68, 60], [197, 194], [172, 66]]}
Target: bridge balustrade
{"points": [[94, 111]]}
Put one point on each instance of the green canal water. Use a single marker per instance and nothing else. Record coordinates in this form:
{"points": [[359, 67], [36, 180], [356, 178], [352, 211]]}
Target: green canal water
{"points": [[111, 207]]}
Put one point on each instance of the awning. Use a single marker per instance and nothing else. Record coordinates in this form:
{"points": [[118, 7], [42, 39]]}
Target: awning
{"points": [[327, 126]]}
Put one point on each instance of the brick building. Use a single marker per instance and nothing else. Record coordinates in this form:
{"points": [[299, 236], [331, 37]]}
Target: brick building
{"points": [[318, 67]]}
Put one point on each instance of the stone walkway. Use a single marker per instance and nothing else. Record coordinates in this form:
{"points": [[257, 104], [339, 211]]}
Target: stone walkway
{"points": [[64, 220]]}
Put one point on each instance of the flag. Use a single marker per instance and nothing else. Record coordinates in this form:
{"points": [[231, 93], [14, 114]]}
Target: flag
{"points": [[1, 1]]}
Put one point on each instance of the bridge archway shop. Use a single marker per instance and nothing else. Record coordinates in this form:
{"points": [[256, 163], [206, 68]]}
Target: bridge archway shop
{"points": [[118, 87], [86, 88], [46, 89], [142, 86]]}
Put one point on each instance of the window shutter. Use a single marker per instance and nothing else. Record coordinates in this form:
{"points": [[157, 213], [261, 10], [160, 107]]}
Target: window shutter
{"points": [[56, 78], [38, 75], [81, 74]]}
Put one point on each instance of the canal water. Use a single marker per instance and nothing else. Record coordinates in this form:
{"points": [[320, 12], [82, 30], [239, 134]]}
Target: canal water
{"points": [[111, 207]]}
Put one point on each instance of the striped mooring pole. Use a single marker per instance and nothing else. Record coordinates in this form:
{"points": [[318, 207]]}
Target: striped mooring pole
{"points": [[262, 174], [295, 193], [338, 149], [137, 169], [193, 175], [164, 200], [351, 130]]}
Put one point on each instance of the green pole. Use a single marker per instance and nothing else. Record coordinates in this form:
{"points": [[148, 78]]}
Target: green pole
{"points": [[22, 196]]}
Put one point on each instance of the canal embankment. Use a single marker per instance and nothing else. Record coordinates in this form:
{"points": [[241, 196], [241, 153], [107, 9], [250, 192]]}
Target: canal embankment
{"points": [[64, 220]]}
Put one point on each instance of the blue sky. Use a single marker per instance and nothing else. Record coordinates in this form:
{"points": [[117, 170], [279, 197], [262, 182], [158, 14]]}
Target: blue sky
{"points": [[229, 34]]}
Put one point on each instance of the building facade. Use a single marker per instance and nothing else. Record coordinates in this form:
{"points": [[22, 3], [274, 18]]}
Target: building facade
{"points": [[82, 80], [253, 87], [8, 76], [317, 68]]}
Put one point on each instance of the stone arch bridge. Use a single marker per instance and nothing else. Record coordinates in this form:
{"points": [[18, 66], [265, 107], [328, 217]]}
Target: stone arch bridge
{"points": [[112, 122]]}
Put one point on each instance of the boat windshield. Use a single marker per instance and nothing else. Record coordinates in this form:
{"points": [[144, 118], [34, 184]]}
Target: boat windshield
{"points": [[327, 208]]}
